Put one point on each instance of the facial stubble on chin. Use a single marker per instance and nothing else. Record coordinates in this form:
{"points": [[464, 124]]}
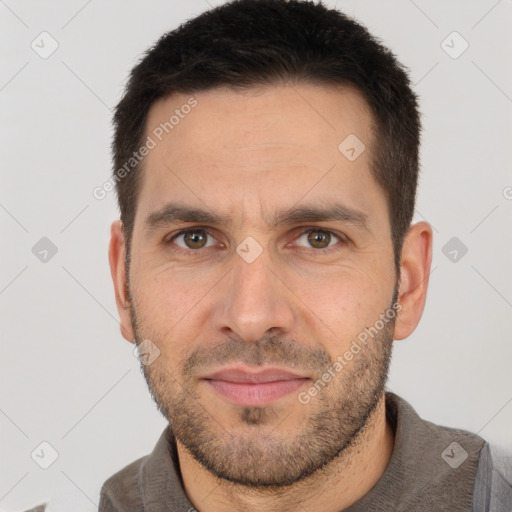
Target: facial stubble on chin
{"points": [[257, 455]]}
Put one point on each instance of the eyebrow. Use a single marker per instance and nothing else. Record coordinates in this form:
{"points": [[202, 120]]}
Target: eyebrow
{"points": [[173, 213]]}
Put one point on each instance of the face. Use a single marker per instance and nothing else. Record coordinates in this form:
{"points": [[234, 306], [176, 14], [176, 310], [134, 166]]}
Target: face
{"points": [[261, 256]]}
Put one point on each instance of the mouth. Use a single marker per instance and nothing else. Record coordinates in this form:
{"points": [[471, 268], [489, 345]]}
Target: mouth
{"points": [[250, 387]]}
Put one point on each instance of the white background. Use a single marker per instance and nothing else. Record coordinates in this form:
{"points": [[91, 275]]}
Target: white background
{"points": [[67, 375]]}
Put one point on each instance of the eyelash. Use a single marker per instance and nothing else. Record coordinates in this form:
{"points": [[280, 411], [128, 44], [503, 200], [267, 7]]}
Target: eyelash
{"points": [[190, 252]]}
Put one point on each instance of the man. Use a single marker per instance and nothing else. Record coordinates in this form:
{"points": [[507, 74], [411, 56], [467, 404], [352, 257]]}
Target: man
{"points": [[266, 163]]}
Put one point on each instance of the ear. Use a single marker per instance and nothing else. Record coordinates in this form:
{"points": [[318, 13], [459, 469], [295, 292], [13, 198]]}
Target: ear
{"points": [[116, 256], [415, 264]]}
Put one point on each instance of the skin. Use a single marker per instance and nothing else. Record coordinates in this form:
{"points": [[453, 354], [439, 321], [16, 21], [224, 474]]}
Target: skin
{"points": [[245, 155]]}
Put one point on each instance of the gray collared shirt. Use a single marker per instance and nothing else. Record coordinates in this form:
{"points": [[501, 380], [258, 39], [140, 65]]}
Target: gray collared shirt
{"points": [[432, 468]]}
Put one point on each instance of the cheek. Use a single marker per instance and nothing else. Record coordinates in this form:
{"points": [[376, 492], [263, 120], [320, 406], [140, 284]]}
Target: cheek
{"points": [[170, 308], [165, 294], [345, 305], [166, 318]]}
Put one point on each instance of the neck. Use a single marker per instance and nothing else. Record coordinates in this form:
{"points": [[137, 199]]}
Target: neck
{"points": [[335, 487]]}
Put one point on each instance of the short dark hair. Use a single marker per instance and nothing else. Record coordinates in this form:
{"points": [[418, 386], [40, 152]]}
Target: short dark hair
{"points": [[251, 43]]}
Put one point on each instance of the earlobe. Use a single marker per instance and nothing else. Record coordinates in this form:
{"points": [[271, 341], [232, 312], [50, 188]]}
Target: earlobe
{"points": [[415, 265], [116, 255]]}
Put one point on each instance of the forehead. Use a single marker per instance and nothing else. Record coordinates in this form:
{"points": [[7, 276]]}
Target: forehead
{"points": [[295, 114], [230, 149]]}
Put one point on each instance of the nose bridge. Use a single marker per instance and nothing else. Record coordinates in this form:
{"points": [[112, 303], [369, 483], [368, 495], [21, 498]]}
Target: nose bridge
{"points": [[254, 300]]}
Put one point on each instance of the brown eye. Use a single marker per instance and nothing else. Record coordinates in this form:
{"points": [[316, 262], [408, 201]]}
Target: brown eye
{"points": [[195, 239], [192, 239], [319, 239]]}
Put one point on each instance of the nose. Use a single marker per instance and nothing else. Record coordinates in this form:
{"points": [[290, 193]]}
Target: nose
{"points": [[253, 302]]}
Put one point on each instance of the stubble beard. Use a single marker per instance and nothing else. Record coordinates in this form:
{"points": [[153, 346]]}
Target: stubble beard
{"points": [[257, 455]]}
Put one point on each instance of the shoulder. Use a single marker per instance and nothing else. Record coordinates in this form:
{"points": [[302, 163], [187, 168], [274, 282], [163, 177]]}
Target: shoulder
{"points": [[493, 483], [121, 490]]}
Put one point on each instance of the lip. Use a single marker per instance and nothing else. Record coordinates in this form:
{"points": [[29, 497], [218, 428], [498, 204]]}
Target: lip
{"points": [[245, 386], [245, 374]]}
